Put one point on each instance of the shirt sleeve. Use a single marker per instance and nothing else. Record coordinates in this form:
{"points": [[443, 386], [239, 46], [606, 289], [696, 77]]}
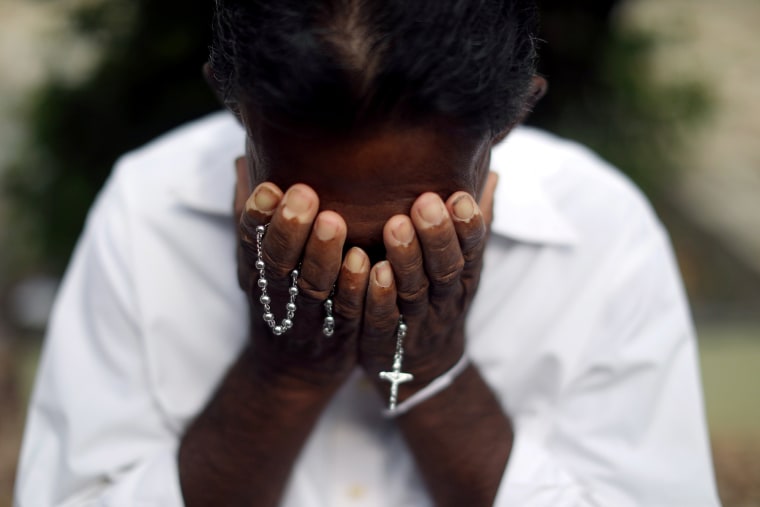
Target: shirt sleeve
{"points": [[628, 428], [95, 435]]}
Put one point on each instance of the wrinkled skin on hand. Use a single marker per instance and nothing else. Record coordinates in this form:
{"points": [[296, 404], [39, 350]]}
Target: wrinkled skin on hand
{"points": [[430, 275]]}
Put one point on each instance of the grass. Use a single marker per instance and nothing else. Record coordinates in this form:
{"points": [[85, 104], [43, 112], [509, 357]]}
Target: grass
{"points": [[731, 375], [730, 356]]}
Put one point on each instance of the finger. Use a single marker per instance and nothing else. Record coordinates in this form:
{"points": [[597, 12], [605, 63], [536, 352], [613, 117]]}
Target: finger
{"points": [[487, 198], [288, 229], [470, 226], [380, 312], [350, 293], [405, 255], [440, 246], [322, 256], [258, 208]]}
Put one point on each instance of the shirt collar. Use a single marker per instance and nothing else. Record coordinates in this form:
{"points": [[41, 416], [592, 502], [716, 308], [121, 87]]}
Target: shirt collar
{"points": [[523, 210], [214, 143]]}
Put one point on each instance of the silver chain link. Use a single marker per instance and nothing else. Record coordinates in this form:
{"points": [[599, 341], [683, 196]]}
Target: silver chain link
{"points": [[266, 300]]}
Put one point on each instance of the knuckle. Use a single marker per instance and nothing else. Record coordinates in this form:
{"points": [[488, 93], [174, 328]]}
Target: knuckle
{"points": [[347, 308], [381, 318], [417, 294], [276, 265], [345, 334], [318, 273], [408, 269], [472, 243], [309, 290], [378, 315], [449, 277], [438, 244]]}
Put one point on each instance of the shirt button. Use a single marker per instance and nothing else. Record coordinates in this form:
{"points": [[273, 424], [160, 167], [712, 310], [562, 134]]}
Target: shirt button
{"points": [[357, 492]]}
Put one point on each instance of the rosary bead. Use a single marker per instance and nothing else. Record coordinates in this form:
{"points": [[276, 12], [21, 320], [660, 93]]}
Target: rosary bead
{"points": [[266, 300], [328, 325]]}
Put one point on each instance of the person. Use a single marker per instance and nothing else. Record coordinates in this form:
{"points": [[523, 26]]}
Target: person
{"points": [[408, 332]]}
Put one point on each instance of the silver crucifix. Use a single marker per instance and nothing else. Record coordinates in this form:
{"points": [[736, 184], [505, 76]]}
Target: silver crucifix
{"points": [[397, 377]]}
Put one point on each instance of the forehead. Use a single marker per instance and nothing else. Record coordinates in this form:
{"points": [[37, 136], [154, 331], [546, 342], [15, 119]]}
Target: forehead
{"points": [[401, 158], [367, 176]]}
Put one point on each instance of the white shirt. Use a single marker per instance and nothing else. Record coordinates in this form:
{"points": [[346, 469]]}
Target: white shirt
{"points": [[580, 327]]}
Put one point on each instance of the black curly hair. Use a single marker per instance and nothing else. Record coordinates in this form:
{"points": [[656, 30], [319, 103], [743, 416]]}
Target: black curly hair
{"points": [[339, 63]]}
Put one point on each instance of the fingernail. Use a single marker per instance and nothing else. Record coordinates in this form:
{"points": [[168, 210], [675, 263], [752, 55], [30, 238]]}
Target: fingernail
{"points": [[403, 232], [263, 200], [432, 211], [383, 275], [296, 203], [325, 229], [464, 208], [354, 261]]}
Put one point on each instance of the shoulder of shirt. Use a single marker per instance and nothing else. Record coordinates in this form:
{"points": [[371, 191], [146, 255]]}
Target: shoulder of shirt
{"points": [[191, 166], [558, 192]]}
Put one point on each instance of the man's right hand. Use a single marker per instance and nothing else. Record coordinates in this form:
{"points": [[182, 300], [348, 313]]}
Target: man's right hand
{"points": [[297, 234], [267, 404]]}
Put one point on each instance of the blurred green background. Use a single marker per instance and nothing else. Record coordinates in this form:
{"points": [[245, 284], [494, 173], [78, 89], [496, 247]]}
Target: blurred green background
{"points": [[668, 90]]}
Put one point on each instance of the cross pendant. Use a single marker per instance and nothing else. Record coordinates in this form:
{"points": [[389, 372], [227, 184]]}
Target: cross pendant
{"points": [[395, 377]]}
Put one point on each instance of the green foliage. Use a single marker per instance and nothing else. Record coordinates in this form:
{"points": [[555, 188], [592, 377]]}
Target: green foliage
{"points": [[149, 80], [603, 93]]}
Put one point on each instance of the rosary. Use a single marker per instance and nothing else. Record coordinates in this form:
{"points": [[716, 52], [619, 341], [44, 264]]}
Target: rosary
{"points": [[396, 377]]}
